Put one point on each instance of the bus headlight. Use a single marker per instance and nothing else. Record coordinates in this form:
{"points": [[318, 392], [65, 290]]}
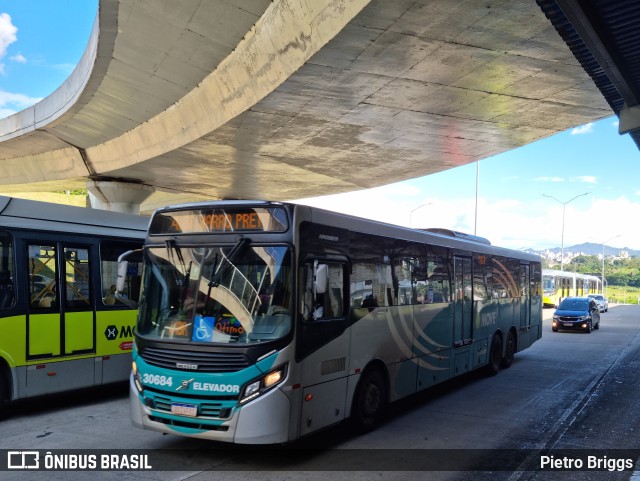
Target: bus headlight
{"points": [[259, 386], [136, 377]]}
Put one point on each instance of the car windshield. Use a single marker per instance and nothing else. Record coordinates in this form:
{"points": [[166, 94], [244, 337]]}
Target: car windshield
{"points": [[574, 305], [597, 297], [232, 294]]}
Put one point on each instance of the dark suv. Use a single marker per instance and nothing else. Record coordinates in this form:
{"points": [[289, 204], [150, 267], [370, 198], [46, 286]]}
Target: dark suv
{"points": [[579, 313]]}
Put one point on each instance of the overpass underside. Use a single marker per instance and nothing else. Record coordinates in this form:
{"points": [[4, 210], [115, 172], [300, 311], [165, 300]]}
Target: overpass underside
{"points": [[290, 99]]}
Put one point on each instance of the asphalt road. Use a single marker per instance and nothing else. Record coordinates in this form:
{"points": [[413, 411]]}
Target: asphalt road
{"points": [[571, 393]]}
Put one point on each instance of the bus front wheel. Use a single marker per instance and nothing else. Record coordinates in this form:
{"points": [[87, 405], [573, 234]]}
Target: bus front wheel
{"points": [[370, 400]]}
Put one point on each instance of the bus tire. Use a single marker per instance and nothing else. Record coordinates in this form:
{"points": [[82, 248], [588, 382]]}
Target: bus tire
{"points": [[4, 389], [509, 350], [370, 400], [495, 355]]}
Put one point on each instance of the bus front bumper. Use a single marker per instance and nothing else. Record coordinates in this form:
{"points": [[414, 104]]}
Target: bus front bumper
{"points": [[264, 420]]}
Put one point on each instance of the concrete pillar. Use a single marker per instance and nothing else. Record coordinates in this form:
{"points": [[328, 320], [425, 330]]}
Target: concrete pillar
{"points": [[118, 196]]}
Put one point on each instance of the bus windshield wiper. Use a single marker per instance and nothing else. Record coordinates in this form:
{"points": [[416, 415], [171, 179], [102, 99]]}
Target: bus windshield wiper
{"points": [[216, 273], [182, 280], [237, 248], [212, 273], [235, 251]]}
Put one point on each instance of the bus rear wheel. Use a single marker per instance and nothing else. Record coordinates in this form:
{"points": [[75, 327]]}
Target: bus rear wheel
{"points": [[510, 350], [495, 359], [369, 401], [4, 392]]}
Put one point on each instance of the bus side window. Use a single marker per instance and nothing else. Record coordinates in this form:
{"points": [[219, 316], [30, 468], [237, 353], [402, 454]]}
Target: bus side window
{"points": [[42, 268], [323, 303], [7, 288], [77, 278], [109, 253]]}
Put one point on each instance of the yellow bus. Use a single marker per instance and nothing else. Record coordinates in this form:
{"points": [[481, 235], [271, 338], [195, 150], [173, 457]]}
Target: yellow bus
{"points": [[61, 326], [556, 285]]}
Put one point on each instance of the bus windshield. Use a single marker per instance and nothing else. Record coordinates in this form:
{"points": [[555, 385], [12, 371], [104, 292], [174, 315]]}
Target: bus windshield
{"points": [[214, 294], [548, 284]]}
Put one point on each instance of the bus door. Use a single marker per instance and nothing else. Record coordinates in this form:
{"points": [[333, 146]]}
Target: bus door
{"points": [[566, 288], [60, 317], [462, 323], [322, 347]]}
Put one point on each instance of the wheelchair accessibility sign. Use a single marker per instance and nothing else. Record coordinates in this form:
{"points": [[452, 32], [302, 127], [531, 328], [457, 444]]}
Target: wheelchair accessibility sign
{"points": [[211, 329], [203, 329]]}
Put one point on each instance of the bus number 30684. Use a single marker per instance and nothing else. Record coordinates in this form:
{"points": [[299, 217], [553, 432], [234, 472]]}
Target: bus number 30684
{"points": [[157, 380]]}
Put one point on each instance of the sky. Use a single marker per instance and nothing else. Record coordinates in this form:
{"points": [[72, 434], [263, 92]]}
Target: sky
{"points": [[42, 41]]}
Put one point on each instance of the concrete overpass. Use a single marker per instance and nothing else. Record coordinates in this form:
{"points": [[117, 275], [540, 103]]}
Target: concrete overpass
{"points": [[293, 98]]}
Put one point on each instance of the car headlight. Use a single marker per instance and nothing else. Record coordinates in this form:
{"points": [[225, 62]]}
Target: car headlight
{"points": [[260, 386]]}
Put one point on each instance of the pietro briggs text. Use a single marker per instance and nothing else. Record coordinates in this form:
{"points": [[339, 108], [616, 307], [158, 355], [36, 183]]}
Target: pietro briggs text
{"points": [[595, 463]]}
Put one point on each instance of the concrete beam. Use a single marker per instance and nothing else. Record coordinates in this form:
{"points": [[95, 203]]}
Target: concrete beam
{"points": [[287, 99], [118, 196], [629, 119]]}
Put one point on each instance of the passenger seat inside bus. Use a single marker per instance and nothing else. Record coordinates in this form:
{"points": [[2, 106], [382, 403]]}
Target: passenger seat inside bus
{"points": [[47, 300]]}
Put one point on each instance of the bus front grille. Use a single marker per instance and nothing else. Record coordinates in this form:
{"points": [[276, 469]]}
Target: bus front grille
{"points": [[209, 409], [194, 361], [189, 424]]}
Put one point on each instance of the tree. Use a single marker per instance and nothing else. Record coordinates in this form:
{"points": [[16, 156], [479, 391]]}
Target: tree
{"points": [[585, 264]]}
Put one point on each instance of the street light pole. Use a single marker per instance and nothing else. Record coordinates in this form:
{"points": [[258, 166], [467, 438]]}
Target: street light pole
{"points": [[564, 206]]}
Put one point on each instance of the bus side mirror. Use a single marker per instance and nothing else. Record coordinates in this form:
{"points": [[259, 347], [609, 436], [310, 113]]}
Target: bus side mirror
{"points": [[122, 278], [122, 275], [321, 278]]}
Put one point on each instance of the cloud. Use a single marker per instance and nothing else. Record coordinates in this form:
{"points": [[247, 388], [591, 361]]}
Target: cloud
{"points": [[18, 58], [6, 112], [11, 103], [583, 129], [7, 33], [548, 179], [585, 179], [536, 223]]}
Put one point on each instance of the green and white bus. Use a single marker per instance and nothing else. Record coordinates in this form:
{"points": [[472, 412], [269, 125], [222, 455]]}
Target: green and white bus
{"points": [[61, 326], [261, 322]]}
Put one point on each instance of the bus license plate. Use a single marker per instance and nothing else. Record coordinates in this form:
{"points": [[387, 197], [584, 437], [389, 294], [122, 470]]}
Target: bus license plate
{"points": [[184, 409]]}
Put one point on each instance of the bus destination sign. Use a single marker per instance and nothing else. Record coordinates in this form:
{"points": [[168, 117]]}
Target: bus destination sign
{"points": [[219, 220]]}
